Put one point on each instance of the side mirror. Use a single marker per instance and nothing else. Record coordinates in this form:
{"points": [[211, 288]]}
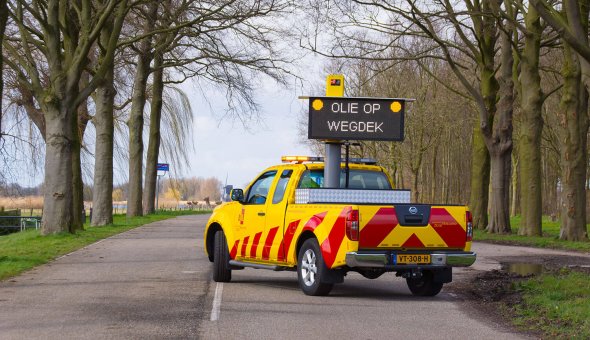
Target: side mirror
{"points": [[237, 195]]}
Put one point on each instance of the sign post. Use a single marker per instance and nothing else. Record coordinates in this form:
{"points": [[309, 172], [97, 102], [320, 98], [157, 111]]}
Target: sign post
{"points": [[165, 167]]}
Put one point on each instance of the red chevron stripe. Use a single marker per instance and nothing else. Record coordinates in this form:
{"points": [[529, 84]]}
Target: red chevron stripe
{"points": [[447, 228], [314, 221], [234, 250], [244, 245], [310, 225], [331, 245], [413, 242], [374, 232], [255, 244], [268, 243], [286, 241]]}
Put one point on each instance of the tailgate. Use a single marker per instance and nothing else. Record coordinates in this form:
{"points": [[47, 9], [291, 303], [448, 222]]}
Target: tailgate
{"points": [[412, 226]]}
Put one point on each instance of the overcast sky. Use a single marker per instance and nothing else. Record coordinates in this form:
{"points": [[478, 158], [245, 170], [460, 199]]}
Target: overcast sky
{"points": [[224, 148]]}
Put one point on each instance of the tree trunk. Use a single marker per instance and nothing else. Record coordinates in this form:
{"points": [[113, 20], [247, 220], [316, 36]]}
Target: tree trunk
{"points": [[79, 123], [77, 183], [3, 19], [499, 207], [102, 193], [531, 204], [151, 171], [480, 180], [135, 123], [499, 143], [573, 122], [57, 204], [433, 185], [515, 186], [415, 192]]}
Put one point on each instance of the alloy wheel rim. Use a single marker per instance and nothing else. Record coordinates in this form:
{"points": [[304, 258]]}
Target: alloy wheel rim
{"points": [[309, 268]]}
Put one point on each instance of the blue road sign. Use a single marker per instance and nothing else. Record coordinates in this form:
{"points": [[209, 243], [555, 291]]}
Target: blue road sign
{"points": [[163, 167]]}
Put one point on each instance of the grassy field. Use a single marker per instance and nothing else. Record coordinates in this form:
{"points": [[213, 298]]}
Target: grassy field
{"points": [[550, 238], [24, 250], [556, 304]]}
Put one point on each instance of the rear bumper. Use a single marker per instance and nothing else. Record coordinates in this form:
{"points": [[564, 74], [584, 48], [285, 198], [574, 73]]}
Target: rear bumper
{"points": [[370, 259]]}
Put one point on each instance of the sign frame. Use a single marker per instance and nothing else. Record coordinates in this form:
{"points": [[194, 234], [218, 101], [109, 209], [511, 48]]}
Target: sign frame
{"points": [[162, 166], [382, 114]]}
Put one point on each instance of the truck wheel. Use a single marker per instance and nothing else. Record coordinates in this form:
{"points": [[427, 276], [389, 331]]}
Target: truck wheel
{"points": [[221, 270], [424, 286], [311, 269]]}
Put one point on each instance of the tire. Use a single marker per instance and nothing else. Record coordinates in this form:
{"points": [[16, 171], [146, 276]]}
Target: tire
{"points": [[221, 269], [424, 286], [311, 269]]}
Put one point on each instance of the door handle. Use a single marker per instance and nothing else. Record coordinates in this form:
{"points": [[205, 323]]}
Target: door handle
{"points": [[261, 213]]}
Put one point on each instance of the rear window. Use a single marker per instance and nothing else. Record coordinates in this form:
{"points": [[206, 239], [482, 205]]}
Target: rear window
{"points": [[358, 179]]}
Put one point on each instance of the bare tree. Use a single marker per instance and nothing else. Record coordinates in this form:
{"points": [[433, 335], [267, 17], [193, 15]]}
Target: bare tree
{"points": [[3, 19], [472, 41], [104, 98], [229, 44], [59, 36], [531, 124], [572, 26]]}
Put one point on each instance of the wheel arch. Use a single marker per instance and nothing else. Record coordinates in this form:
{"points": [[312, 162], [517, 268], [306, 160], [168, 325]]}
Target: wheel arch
{"points": [[210, 239], [306, 235]]}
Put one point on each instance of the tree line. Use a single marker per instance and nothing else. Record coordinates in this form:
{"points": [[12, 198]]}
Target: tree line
{"points": [[501, 85], [117, 64], [500, 121]]}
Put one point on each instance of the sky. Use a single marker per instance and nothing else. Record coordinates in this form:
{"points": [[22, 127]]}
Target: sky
{"points": [[226, 149]]}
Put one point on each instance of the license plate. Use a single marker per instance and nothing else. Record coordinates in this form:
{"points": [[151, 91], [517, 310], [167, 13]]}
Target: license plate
{"points": [[412, 259]]}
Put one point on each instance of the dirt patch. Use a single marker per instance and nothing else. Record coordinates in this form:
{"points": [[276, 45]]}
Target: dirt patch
{"points": [[491, 295]]}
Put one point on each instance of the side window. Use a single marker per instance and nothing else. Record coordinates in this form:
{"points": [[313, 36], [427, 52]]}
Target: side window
{"points": [[259, 190], [311, 179], [281, 186]]}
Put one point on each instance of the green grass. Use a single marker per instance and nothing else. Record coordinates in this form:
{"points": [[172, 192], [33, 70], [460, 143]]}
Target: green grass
{"points": [[556, 304], [550, 238], [24, 250]]}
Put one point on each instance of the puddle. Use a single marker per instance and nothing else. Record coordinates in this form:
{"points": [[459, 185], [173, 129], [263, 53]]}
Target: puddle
{"points": [[523, 269]]}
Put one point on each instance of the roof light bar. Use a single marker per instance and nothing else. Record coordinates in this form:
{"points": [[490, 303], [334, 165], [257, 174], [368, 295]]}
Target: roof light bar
{"points": [[301, 159]]}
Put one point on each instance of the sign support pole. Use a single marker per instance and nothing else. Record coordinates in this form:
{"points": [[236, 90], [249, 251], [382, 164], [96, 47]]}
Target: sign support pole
{"points": [[332, 165], [157, 191], [334, 88], [165, 167]]}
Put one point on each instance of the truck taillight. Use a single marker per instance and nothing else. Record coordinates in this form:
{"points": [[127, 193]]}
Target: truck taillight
{"points": [[469, 219], [352, 225]]}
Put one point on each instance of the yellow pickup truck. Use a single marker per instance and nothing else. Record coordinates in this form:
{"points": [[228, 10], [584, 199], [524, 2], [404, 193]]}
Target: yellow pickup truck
{"points": [[286, 220]]}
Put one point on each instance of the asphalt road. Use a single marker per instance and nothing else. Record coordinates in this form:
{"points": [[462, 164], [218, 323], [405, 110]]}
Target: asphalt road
{"points": [[155, 282]]}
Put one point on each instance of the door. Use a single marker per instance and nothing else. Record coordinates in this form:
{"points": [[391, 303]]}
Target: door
{"points": [[254, 216], [275, 218]]}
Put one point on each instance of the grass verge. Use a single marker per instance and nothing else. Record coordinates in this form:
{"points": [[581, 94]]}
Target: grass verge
{"points": [[550, 238], [24, 250], [555, 304]]}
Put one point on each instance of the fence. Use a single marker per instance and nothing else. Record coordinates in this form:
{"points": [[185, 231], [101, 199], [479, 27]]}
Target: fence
{"points": [[12, 221], [22, 219], [122, 208]]}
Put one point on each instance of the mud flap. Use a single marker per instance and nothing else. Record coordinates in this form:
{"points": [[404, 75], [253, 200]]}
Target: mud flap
{"points": [[332, 276], [444, 275]]}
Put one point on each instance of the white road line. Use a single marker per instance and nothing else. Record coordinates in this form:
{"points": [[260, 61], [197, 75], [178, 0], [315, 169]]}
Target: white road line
{"points": [[215, 309]]}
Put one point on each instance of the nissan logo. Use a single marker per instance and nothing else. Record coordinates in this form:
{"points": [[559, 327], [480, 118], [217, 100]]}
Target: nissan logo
{"points": [[413, 210]]}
